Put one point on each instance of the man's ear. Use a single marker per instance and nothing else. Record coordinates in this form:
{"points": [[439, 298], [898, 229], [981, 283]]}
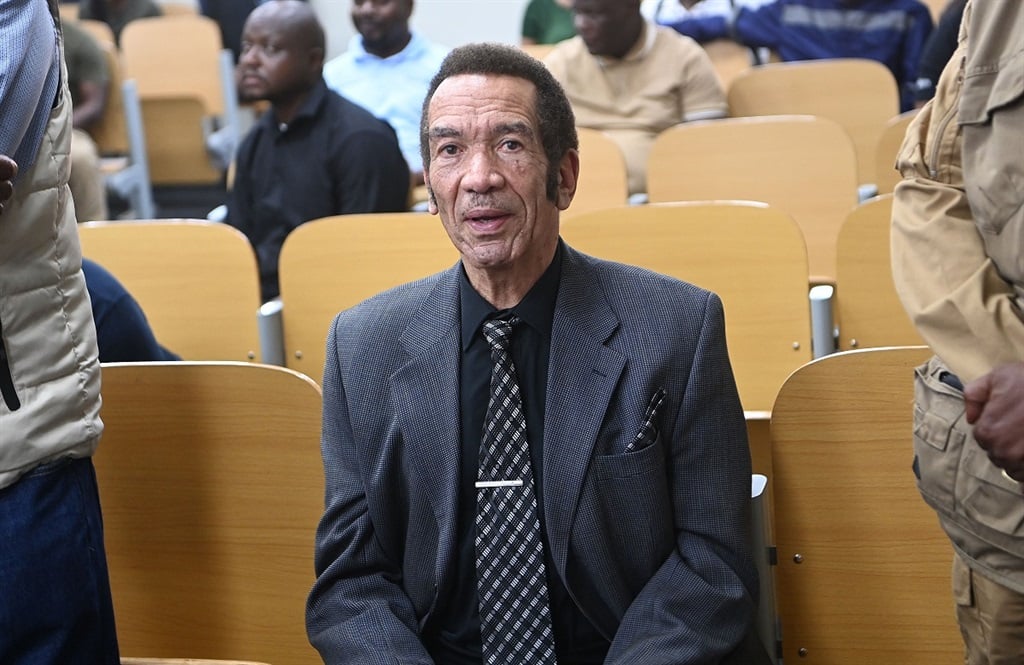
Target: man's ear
{"points": [[568, 178], [316, 59], [431, 199]]}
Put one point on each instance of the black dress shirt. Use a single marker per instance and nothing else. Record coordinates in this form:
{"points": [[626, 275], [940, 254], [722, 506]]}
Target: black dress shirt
{"points": [[455, 640], [333, 158]]}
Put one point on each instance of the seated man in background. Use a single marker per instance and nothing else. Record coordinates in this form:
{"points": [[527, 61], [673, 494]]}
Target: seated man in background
{"points": [[118, 13], [88, 80], [386, 70], [892, 32], [314, 153], [122, 331], [632, 79]]}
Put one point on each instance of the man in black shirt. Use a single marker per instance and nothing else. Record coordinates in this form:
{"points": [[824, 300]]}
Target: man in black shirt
{"points": [[314, 153]]}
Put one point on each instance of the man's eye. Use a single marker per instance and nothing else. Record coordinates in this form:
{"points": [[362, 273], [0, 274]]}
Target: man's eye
{"points": [[449, 149], [512, 144]]}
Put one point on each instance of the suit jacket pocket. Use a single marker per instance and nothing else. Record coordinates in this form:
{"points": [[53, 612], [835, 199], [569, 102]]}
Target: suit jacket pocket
{"points": [[626, 465]]}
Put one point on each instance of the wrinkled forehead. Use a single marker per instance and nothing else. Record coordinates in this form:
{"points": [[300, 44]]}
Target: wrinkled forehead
{"points": [[470, 100]]}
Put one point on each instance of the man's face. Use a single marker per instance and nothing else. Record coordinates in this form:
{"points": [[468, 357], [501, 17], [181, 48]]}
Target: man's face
{"points": [[274, 64], [487, 174], [601, 24], [381, 21]]}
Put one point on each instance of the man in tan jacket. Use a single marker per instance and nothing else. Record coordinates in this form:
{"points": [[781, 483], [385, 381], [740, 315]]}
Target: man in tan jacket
{"points": [[55, 605], [958, 262]]}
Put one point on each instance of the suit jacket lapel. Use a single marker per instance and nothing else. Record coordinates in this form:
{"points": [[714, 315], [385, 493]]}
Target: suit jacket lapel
{"points": [[427, 398], [582, 375]]}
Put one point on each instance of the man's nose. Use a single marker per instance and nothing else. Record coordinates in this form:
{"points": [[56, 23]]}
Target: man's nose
{"points": [[482, 173]]}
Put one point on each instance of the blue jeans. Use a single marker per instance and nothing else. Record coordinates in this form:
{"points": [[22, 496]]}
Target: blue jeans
{"points": [[55, 604]]}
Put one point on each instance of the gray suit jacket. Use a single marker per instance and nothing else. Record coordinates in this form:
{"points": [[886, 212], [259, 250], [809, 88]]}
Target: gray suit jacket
{"points": [[652, 544]]}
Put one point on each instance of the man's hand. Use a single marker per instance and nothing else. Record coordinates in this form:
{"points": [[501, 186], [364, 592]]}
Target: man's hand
{"points": [[995, 406], [8, 169]]}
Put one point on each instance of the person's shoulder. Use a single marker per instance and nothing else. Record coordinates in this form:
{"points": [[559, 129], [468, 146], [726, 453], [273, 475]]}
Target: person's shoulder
{"points": [[639, 286], [667, 40], [387, 314], [339, 68], [351, 118], [569, 50]]}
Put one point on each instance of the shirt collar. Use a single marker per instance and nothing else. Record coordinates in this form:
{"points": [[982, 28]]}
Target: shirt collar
{"points": [[309, 109], [537, 309], [413, 49], [639, 50]]}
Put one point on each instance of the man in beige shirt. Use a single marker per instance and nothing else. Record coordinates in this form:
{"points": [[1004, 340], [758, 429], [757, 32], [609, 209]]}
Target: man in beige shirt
{"points": [[958, 263], [632, 79]]}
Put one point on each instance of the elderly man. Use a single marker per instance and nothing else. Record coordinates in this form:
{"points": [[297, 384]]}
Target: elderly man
{"points": [[632, 79], [536, 453], [958, 264], [314, 153], [386, 70]]}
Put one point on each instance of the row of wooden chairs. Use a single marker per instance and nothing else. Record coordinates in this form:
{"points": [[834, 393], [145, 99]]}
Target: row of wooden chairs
{"points": [[181, 104], [211, 485], [805, 165], [197, 281]]}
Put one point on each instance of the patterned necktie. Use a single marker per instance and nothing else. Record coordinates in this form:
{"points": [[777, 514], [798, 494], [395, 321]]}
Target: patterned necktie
{"points": [[515, 621]]}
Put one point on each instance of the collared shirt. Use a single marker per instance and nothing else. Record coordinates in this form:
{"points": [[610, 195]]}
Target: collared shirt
{"points": [[334, 158], [457, 640], [391, 88], [29, 77], [665, 79]]}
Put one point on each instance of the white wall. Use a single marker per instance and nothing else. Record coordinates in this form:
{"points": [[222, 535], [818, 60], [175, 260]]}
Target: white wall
{"points": [[447, 22]]}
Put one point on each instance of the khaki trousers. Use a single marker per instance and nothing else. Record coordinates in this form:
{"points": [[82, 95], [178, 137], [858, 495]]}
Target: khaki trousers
{"points": [[991, 618]]}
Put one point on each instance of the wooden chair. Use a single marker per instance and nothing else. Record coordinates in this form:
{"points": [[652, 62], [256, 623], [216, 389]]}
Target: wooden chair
{"points": [[212, 485], [176, 141], [860, 95], [751, 255], [330, 264], [886, 175], [802, 165], [191, 43], [868, 310], [180, 104], [174, 8], [863, 571], [603, 182], [729, 59], [196, 281]]}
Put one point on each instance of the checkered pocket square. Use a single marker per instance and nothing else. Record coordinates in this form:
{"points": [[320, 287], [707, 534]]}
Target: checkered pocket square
{"points": [[648, 430]]}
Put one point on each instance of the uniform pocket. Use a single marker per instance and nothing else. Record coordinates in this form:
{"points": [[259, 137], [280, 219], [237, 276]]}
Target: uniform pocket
{"points": [[992, 118], [989, 498], [938, 433]]}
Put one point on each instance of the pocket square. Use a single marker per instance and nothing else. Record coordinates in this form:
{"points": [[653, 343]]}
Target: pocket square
{"points": [[648, 431]]}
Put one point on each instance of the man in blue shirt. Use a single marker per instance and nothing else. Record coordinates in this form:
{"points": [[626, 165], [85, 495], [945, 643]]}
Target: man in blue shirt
{"points": [[892, 32], [386, 70]]}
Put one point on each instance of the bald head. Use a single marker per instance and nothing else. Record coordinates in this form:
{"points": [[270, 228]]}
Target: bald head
{"points": [[294, 18], [282, 55]]}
